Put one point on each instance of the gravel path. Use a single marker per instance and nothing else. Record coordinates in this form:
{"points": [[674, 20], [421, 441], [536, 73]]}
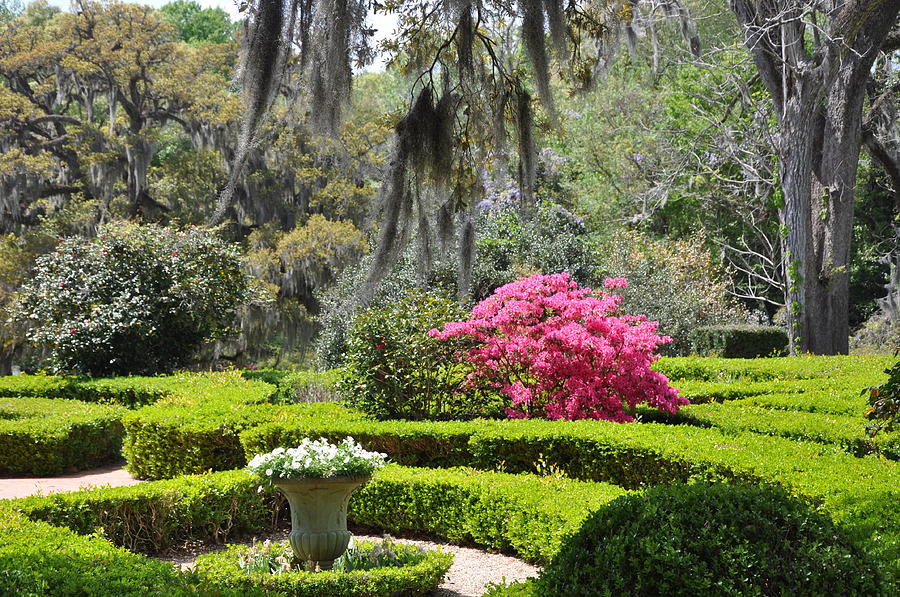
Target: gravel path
{"points": [[111, 476], [472, 569]]}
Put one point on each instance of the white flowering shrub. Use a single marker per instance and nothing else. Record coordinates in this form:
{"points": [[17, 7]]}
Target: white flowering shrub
{"points": [[134, 299], [317, 459]]}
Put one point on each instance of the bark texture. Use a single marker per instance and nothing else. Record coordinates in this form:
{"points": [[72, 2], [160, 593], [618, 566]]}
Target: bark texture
{"points": [[815, 65]]}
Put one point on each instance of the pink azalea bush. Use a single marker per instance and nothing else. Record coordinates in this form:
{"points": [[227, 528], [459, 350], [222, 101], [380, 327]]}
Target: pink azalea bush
{"points": [[563, 352]]}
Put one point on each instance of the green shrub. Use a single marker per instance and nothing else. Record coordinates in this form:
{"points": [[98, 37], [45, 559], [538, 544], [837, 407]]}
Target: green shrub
{"points": [[708, 540], [151, 517], [124, 391], [738, 341], [677, 283], [196, 429], [395, 370], [39, 560], [412, 443], [844, 431], [45, 437], [135, 299], [523, 513], [299, 386], [884, 403], [419, 577]]}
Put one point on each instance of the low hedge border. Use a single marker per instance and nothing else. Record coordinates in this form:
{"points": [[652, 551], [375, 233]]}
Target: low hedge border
{"points": [[739, 341], [202, 435], [525, 514], [37, 559], [151, 517], [847, 432], [420, 578], [633, 456], [787, 368], [44, 437]]}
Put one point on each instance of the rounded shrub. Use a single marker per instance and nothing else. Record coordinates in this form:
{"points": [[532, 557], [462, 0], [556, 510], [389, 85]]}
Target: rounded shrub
{"points": [[395, 370], [135, 299], [708, 540]]}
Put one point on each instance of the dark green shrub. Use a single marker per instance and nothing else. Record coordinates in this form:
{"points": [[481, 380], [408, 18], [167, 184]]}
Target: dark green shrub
{"points": [[45, 437], [884, 403], [739, 341], [135, 299], [394, 369], [420, 575], [708, 540]]}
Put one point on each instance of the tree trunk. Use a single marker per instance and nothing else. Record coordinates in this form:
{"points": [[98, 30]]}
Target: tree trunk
{"points": [[818, 97]]}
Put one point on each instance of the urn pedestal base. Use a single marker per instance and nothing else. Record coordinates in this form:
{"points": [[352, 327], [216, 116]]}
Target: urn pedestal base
{"points": [[319, 532]]}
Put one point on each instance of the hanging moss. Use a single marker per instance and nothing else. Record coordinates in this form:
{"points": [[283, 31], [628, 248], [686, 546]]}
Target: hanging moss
{"points": [[527, 151], [536, 50]]}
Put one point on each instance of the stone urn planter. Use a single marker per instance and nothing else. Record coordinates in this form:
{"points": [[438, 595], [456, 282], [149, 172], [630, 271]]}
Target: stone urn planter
{"points": [[319, 517]]}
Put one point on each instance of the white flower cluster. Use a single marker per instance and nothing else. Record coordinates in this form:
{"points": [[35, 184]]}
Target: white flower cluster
{"points": [[318, 459]]}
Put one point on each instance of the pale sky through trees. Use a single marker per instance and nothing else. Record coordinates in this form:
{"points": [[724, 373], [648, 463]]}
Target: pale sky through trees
{"points": [[384, 24]]}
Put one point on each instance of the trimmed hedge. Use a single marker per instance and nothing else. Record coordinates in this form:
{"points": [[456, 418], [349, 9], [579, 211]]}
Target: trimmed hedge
{"points": [[151, 517], [298, 386], [524, 514], [847, 432], [710, 540], [125, 391], [793, 368], [419, 578], [40, 560], [411, 443], [738, 341], [44, 437], [202, 435]]}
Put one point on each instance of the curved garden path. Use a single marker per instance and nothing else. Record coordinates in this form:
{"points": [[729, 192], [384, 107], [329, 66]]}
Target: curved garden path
{"points": [[113, 476]]}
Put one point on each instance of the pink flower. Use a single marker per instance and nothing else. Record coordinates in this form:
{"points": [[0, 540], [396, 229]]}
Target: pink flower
{"points": [[563, 352]]}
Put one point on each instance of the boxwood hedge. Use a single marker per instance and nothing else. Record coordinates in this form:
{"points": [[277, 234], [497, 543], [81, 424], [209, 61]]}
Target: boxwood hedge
{"points": [[39, 436], [78, 536], [418, 578]]}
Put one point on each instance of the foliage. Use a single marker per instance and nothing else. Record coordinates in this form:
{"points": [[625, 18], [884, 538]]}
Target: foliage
{"points": [[151, 517], [522, 513], [316, 459], [394, 369], [198, 25], [43, 437], [84, 105], [369, 555], [39, 560], [884, 403], [843, 430], [563, 352], [512, 242], [298, 386], [738, 341], [708, 540], [675, 283], [134, 300], [411, 443], [265, 568]]}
